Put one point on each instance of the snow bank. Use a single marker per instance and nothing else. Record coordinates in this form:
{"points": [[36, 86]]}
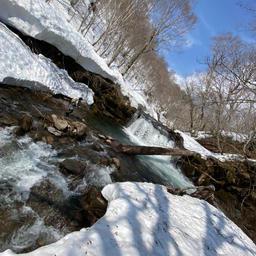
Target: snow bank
{"points": [[39, 20], [42, 21], [191, 144], [20, 67], [144, 219]]}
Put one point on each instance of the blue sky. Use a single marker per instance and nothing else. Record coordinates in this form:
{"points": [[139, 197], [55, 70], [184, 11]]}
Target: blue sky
{"points": [[214, 16]]}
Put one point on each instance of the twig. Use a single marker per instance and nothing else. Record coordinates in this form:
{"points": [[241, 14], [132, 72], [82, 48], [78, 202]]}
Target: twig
{"points": [[45, 118]]}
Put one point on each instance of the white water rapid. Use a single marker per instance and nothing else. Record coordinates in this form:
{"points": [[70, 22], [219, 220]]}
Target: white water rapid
{"points": [[22, 164], [142, 132]]}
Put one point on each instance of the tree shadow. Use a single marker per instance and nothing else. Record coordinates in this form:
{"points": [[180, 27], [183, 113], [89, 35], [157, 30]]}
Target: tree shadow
{"points": [[220, 230]]}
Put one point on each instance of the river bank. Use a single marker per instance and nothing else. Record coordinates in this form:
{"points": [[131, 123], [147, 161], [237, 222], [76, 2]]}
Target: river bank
{"points": [[91, 151]]}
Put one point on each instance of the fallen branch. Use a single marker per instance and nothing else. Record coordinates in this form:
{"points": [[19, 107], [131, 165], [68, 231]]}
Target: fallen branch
{"points": [[44, 118]]}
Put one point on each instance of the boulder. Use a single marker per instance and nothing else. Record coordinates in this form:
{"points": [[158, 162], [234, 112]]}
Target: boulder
{"points": [[60, 124], [116, 162], [54, 131], [72, 166], [94, 206], [80, 129], [96, 146], [105, 161], [48, 139], [26, 123]]}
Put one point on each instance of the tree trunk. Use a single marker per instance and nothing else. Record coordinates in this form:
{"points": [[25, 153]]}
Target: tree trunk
{"points": [[249, 141], [144, 150]]}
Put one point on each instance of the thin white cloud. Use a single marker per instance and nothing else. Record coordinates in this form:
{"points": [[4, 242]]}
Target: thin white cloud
{"points": [[191, 41]]}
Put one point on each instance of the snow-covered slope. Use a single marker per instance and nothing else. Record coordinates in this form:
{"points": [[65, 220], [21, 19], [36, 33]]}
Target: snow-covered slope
{"points": [[19, 66], [48, 22], [191, 144], [39, 20], [144, 219]]}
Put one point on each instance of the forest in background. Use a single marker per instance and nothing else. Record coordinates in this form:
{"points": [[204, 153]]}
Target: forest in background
{"points": [[131, 34]]}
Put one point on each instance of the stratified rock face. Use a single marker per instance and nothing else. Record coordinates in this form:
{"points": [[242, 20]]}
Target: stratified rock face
{"points": [[59, 123]]}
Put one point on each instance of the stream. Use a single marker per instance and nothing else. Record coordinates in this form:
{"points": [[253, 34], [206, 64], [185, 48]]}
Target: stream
{"points": [[25, 163]]}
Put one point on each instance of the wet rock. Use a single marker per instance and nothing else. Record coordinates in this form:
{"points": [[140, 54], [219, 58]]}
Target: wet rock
{"points": [[57, 210], [105, 161], [54, 131], [77, 129], [101, 136], [96, 146], [60, 123], [26, 123], [96, 159], [116, 162], [9, 120], [90, 137], [48, 139], [80, 129], [71, 166], [94, 205]]}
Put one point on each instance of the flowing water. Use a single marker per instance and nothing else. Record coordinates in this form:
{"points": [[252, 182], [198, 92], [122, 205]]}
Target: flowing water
{"points": [[142, 132], [23, 163]]}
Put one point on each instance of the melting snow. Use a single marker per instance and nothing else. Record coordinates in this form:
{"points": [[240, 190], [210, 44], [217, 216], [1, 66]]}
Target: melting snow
{"points": [[144, 219]]}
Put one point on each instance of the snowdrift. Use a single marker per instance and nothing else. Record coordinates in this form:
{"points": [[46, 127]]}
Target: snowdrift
{"points": [[144, 219]]}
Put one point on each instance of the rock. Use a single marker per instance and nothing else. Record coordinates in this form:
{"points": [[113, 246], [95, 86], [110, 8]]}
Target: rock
{"points": [[80, 129], [48, 139], [9, 120], [105, 161], [110, 138], [101, 136], [19, 131], [96, 146], [57, 210], [26, 123], [116, 162], [72, 166], [54, 131], [94, 205], [60, 124]]}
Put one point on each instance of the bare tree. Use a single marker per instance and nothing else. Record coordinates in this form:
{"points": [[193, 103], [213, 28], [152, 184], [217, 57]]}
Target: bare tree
{"points": [[232, 68], [170, 20]]}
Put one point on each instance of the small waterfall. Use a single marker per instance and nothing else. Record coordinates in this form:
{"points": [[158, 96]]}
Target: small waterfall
{"points": [[142, 131]]}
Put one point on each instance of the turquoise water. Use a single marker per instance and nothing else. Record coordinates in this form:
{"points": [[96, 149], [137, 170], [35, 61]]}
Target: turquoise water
{"points": [[141, 132]]}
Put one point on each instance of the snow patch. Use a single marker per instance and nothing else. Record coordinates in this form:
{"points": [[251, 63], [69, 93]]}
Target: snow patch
{"points": [[20, 67], [144, 219]]}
